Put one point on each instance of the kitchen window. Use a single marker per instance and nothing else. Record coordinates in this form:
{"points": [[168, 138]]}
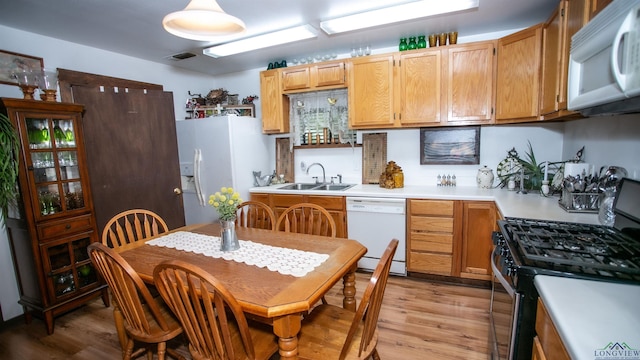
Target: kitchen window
{"points": [[321, 117]]}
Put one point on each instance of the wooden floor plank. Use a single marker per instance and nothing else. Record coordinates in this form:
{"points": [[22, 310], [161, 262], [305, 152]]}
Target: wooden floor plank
{"points": [[419, 320]]}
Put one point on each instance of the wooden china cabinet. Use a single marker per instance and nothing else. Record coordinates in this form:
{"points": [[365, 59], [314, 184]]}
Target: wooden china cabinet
{"points": [[54, 222]]}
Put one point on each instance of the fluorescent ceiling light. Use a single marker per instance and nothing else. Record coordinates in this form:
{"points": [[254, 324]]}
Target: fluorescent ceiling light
{"points": [[202, 20], [262, 41], [410, 11]]}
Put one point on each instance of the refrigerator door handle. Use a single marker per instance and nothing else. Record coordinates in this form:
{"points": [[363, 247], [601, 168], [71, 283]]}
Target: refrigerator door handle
{"points": [[197, 160]]}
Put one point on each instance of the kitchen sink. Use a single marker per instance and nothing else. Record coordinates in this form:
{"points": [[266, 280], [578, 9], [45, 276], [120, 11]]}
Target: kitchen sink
{"points": [[333, 187], [298, 186], [307, 186]]}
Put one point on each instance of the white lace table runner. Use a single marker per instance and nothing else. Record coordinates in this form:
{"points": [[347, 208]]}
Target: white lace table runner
{"points": [[293, 262]]}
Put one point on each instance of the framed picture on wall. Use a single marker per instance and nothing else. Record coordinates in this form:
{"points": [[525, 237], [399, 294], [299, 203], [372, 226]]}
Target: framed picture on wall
{"points": [[450, 146], [11, 62]]}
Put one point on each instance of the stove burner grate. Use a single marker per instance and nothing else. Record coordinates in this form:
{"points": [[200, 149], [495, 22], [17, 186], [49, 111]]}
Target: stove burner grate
{"points": [[585, 247]]}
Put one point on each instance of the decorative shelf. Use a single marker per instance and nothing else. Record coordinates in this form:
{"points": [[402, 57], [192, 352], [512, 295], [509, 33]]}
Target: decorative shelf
{"points": [[211, 110], [325, 146]]}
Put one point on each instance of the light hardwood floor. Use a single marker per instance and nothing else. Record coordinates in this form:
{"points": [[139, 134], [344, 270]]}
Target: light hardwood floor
{"points": [[419, 320]]}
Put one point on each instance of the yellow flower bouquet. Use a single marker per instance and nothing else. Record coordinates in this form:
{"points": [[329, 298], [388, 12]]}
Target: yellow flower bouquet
{"points": [[225, 202]]}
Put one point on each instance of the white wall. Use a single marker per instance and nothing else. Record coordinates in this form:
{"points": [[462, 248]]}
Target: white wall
{"points": [[62, 54], [608, 140]]}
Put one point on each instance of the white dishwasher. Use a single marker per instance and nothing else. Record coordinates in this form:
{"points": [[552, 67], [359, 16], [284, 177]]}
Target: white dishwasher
{"points": [[374, 222]]}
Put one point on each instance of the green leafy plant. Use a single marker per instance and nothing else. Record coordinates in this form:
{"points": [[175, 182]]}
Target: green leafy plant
{"points": [[533, 171], [9, 143]]}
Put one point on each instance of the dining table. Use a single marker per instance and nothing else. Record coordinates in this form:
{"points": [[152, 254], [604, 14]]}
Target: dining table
{"points": [[269, 291]]}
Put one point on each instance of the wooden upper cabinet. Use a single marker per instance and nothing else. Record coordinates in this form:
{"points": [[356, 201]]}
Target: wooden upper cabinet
{"points": [[420, 92], [371, 92], [314, 77], [597, 6], [518, 80], [275, 105], [330, 74], [296, 78], [470, 83], [552, 60], [564, 22], [430, 87]]}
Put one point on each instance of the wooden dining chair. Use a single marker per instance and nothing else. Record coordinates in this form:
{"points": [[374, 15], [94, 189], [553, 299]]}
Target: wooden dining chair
{"points": [[146, 319], [130, 226], [307, 218], [331, 332], [255, 214], [210, 315]]}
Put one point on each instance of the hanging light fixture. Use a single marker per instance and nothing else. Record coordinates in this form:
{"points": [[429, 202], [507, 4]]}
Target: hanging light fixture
{"points": [[202, 20]]}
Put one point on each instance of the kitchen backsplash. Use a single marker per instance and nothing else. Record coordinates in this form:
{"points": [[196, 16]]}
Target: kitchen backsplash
{"points": [[607, 141]]}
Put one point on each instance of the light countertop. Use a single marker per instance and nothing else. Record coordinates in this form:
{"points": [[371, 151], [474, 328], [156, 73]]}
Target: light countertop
{"points": [[510, 204], [593, 316]]}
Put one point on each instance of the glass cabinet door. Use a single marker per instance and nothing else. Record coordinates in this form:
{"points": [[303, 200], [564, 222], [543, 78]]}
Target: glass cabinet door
{"points": [[69, 266], [53, 157]]}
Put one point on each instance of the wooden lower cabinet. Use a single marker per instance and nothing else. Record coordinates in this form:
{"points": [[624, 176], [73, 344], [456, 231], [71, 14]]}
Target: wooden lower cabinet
{"points": [[335, 205], [430, 236], [478, 222], [547, 343], [450, 237]]}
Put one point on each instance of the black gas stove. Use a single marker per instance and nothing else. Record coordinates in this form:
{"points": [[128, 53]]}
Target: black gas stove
{"points": [[570, 249], [529, 247]]}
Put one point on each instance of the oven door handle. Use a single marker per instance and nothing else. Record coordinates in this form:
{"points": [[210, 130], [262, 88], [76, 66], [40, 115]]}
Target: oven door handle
{"points": [[498, 274]]}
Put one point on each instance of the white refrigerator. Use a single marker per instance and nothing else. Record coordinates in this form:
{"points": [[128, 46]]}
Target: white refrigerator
{"points": [[215, 152]]}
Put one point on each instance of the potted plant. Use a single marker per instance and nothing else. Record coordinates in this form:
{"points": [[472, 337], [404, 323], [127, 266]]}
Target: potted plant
{"points": [[9, 143], [532, 170]]}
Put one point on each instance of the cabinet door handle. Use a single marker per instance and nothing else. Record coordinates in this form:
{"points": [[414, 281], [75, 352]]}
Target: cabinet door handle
{"points": [[177, 191], [68, 226]]}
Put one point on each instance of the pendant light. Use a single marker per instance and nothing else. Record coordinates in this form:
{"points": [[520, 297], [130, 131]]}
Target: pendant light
{"points": [[202, 20]]}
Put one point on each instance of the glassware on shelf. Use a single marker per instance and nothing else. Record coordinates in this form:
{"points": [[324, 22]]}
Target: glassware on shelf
{"points": [[48, 84], [412, 43], [433, 40], [27, 81], [442, 39], [59, 135], [422, 42], [49, 200], [403, 44]]}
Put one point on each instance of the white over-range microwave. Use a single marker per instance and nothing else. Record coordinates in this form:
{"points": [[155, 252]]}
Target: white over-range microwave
{"points": [[604, 63]]}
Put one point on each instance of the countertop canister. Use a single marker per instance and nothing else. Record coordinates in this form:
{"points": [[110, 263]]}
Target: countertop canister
{"points": [[485, 178]]}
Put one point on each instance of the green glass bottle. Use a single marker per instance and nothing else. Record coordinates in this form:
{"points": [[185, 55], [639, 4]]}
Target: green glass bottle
{"points": [[403, 44], [412, 43], [422, 42]]}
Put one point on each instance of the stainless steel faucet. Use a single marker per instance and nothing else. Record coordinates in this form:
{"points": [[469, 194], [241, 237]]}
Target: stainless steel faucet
{"points": [[522, 177], [324, 179]]}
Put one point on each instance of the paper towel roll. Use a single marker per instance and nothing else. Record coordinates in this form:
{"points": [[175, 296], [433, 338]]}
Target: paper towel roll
{"points": [[574, 169]]}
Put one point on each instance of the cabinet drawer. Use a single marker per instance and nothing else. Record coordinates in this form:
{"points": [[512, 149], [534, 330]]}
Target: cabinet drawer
{"points": [[430, 263], [329, 202], [431, 224], [285, 201], [431, 242], [432, 207], [64, 227]]}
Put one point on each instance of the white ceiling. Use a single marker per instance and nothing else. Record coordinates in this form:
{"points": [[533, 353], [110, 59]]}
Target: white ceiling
{"points": [[134, 27]]}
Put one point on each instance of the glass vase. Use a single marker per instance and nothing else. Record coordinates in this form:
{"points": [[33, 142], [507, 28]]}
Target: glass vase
{"points": [[422, 42], [606, 216], [403, 44], [412, 43], [228, 235]]}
